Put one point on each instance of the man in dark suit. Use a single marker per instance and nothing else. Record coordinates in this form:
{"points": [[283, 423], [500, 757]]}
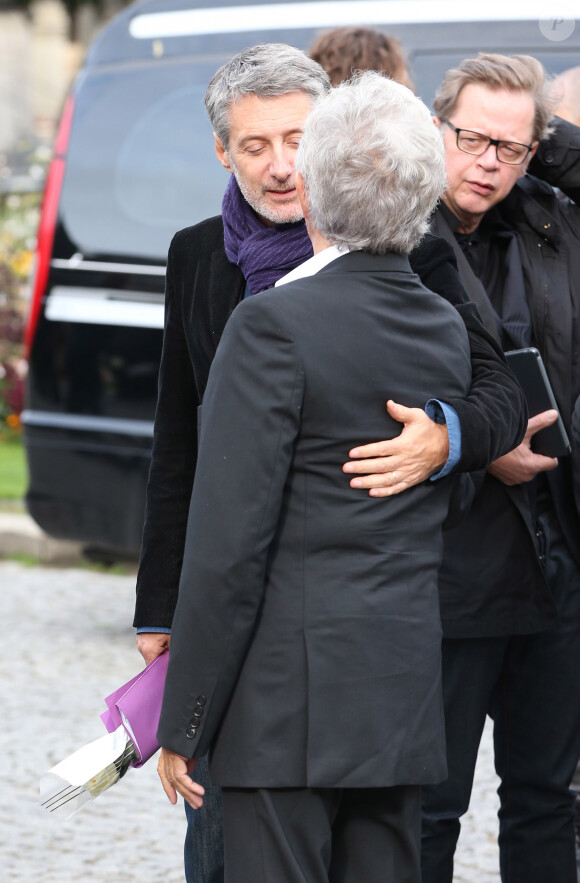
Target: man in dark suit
{"points": [[306, 640], [516, 556], [206, 278]]}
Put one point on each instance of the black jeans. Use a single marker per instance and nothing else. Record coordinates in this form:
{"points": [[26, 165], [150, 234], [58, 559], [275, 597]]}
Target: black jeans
{"points": [[530, 686]]}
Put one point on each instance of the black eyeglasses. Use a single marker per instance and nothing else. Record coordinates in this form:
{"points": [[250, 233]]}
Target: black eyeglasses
{"points": [[510, 152]]}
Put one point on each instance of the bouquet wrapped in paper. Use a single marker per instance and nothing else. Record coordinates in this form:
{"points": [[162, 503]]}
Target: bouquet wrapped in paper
{"points": [[131, 720]]}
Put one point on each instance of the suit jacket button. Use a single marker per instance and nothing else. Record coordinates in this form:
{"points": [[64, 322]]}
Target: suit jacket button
{"points": [[201, 700], [191, 731], [197, 712]]}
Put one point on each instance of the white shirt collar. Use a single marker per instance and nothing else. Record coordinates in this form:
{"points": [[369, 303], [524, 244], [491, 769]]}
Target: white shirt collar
{"points": [[313, 264]]}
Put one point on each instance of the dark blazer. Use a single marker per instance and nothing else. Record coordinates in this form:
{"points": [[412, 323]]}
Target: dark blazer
{"points": [[202, 289], [306, 641], [492, 581]]}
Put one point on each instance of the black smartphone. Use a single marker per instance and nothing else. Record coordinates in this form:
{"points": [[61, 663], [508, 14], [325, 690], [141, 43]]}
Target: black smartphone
{"points": [[530, 371]]}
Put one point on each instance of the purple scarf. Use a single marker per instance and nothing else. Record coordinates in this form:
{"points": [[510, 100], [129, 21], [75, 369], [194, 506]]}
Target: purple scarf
{"points": [[263, 254]]}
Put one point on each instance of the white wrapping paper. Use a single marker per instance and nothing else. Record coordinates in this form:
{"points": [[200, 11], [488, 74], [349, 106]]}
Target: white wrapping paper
{"points": [[84, 775]]}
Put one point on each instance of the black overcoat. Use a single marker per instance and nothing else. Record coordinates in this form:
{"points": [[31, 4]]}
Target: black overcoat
{"points": [[492, 580]]}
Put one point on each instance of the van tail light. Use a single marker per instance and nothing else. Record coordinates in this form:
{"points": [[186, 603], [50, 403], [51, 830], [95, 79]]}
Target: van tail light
{"points": [[48, 217]]}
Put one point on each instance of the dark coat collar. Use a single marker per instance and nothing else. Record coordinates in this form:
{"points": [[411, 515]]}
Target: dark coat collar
{"points": [[362, 262]]}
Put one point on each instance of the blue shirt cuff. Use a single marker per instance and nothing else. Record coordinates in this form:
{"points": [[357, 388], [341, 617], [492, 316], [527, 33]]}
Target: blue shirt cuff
{"points": [[441, 412], [153, 631]]}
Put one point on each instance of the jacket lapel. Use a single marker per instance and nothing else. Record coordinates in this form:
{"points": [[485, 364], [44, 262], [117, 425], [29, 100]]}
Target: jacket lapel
{"points": [[473, 286]]}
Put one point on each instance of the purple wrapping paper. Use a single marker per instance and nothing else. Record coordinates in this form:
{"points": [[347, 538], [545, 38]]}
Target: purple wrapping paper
{"points": [[137, 706]]}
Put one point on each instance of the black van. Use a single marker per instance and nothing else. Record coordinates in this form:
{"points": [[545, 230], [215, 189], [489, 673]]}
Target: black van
{"points": [[133, 163]]}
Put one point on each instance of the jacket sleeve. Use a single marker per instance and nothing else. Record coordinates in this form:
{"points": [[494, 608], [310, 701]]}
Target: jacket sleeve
{"points": [[557, 160], [172, 469], [493, 416], [248, 429]]}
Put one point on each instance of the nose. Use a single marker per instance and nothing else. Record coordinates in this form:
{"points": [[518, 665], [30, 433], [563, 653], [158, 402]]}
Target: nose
{"points": [[488, 159], [282, 162]]}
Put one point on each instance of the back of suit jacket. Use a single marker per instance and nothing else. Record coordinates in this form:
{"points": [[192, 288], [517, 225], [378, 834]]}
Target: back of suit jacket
{"points": [[306, 640]]}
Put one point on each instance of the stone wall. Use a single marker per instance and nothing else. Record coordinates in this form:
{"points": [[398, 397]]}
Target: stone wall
{"points": [[38, 62], [15, 80], [54, 62]]}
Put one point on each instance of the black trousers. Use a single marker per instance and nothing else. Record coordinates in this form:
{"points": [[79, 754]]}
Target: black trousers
{"points": [[530, 686], [317, 835]]}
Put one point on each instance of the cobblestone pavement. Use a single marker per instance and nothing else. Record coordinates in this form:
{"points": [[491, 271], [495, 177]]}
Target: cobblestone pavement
{"points": [[476, 859], [67, 645]]}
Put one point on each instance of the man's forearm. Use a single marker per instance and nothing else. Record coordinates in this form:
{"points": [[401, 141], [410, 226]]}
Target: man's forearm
{"points": [[172, 471], [493, 417], [161, 555], [441, 412]]}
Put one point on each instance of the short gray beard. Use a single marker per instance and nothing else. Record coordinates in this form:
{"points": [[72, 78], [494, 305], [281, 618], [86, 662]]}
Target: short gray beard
{"points": [[265, 211]]}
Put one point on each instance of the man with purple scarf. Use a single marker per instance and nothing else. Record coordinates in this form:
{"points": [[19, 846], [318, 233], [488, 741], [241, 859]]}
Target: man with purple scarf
{"points": [[258, 104]]}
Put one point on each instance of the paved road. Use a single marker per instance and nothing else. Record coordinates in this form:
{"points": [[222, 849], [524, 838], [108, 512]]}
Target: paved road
{"points": [[66, 646]]}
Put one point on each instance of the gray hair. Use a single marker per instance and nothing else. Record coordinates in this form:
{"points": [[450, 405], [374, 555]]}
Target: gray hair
{"points": [[373, 165], [266, 70], [565, 95], [516, 73]]}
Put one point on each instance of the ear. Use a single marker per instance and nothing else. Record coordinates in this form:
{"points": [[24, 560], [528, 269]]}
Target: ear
{"points": [[437, 122], [222, 153], [300, 190], [524, 167]]}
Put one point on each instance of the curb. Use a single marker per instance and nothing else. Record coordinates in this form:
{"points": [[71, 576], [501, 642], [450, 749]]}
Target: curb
{"points": [[20, 535]]}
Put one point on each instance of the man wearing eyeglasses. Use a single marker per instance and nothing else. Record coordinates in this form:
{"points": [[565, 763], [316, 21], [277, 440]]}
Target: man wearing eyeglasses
{"points": [[518, 251]]}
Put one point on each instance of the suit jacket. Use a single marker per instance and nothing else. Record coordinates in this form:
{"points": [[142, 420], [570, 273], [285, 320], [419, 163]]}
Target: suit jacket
{"points": [[306, 641], [492, 581], [202, 289]]}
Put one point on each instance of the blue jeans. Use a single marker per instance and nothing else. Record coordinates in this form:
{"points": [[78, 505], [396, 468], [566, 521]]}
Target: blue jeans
{"points": [[203, 851], [530, 686]]}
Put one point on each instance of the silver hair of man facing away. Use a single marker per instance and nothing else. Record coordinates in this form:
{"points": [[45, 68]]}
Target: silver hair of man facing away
{"points": [[267, 70], [373, 165]]}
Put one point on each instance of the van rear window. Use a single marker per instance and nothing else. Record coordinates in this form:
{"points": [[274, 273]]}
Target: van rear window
{"points": [[141, 161]]}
